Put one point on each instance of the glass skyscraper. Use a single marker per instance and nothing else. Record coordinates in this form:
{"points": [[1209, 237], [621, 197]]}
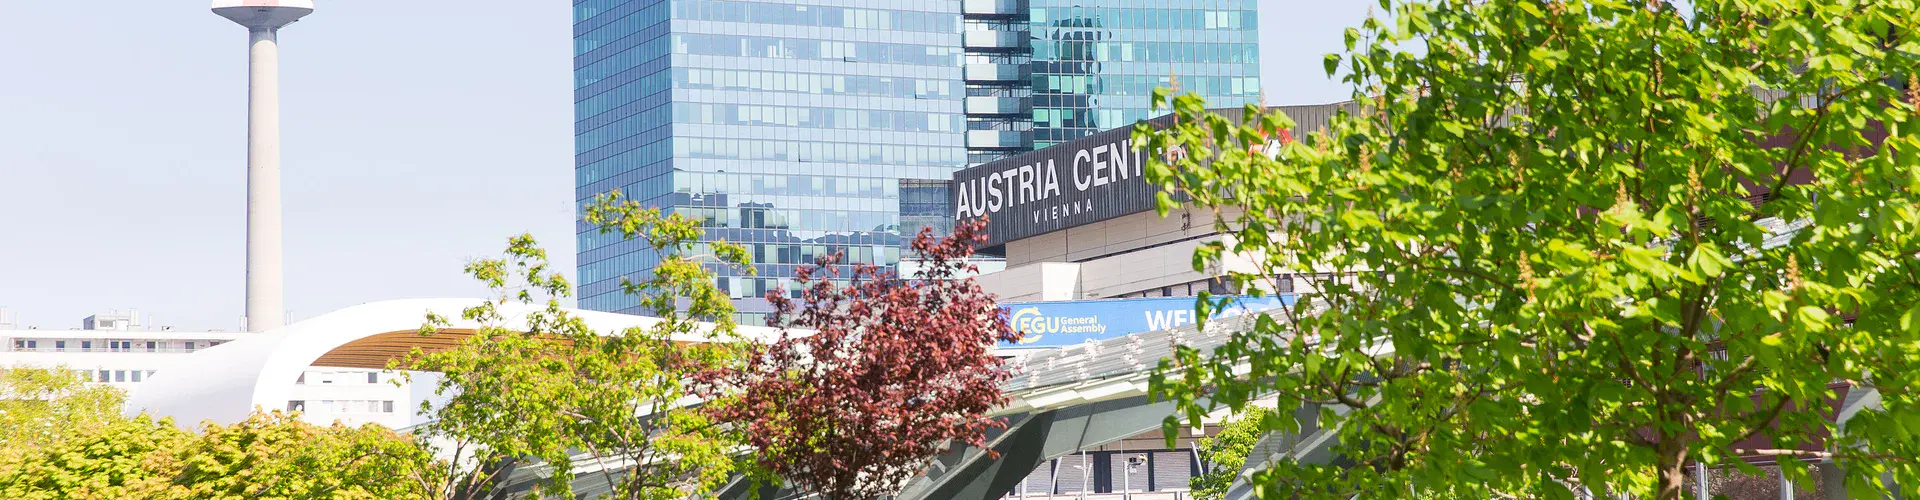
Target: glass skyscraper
{"points": [[785, 126], [1042, 72], [791, 126]]}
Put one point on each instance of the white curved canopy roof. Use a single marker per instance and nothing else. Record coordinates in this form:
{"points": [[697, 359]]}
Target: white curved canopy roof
{"points": [[225, 383]]}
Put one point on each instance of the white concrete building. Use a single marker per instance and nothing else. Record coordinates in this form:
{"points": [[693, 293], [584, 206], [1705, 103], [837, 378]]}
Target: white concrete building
{"points": [[1130, 256], [120, 350], [118, 358], [1076, 221]]}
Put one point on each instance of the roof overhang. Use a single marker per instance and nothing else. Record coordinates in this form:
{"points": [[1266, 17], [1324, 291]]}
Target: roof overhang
{"points": [[225, 383]]}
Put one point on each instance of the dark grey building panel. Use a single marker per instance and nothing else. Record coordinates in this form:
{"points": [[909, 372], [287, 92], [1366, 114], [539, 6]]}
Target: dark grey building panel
{"points": [[1077, 182]]}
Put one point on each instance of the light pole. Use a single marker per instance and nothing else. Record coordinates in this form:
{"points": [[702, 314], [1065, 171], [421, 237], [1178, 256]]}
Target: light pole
{"points": [[266, 293], [1086, 474], [1700, 481], [1126, 476]]}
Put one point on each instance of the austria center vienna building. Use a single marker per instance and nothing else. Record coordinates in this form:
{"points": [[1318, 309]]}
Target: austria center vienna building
{"points": [[797, 127]]}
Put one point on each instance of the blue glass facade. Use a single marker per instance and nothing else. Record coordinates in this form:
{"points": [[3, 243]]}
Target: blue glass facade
{"points": [[1095, 67], [1042, 72], [784, 126]]}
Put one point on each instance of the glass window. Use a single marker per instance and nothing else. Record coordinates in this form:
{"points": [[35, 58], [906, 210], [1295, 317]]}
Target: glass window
{"points": [[119, 375], [373, 377], [104, 377], [386, 406], [136, 375]]}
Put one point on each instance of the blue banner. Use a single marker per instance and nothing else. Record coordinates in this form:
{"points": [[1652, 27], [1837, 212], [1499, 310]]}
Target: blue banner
{"points": [[1063, 323]]}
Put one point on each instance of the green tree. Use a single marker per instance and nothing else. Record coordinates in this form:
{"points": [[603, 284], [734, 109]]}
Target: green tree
{"points": [[267, 456], [535, 383], [1582, 244], [112, 459], [276, 455], [1225, 452], [39, 406]]}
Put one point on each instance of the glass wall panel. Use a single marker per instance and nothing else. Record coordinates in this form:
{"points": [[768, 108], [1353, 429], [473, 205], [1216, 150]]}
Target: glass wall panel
{"points": [[791, 141]]}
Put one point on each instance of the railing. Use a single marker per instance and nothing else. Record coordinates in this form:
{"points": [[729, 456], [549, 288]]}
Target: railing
{"points": [[994, 40], [991, 7], [997, 105], [1136, 495], [996, 72], [998, 138]]}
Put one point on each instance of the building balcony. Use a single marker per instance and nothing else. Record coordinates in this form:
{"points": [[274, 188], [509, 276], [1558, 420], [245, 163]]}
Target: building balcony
{"points": [[995, 41], [998, 139], [991, 8], [995, 105], [991, 72]]}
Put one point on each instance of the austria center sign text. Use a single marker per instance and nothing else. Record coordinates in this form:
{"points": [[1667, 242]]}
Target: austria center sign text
{"points": [[1035, 191], [1074, 183]]}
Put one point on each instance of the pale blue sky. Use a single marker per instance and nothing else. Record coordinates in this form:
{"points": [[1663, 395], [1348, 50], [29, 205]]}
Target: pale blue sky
{"points": [[418, 134]]}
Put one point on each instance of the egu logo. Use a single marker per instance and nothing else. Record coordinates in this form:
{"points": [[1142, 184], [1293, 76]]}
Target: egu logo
{"points": [[1021, 321]]}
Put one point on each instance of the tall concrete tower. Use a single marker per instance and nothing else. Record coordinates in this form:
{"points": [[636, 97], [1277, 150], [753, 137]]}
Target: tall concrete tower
{"points": [[266, 293]]}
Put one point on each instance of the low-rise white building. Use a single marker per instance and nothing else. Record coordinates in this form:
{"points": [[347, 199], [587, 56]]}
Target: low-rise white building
{"points": [[120, 350]]}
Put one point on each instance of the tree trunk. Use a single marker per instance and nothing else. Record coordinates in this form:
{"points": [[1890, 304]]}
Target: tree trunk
{"points": [[1672, 483]]}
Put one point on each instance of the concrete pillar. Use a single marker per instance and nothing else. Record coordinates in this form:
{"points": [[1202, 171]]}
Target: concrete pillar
{"points": [[266, 292], [1836, 480]]}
